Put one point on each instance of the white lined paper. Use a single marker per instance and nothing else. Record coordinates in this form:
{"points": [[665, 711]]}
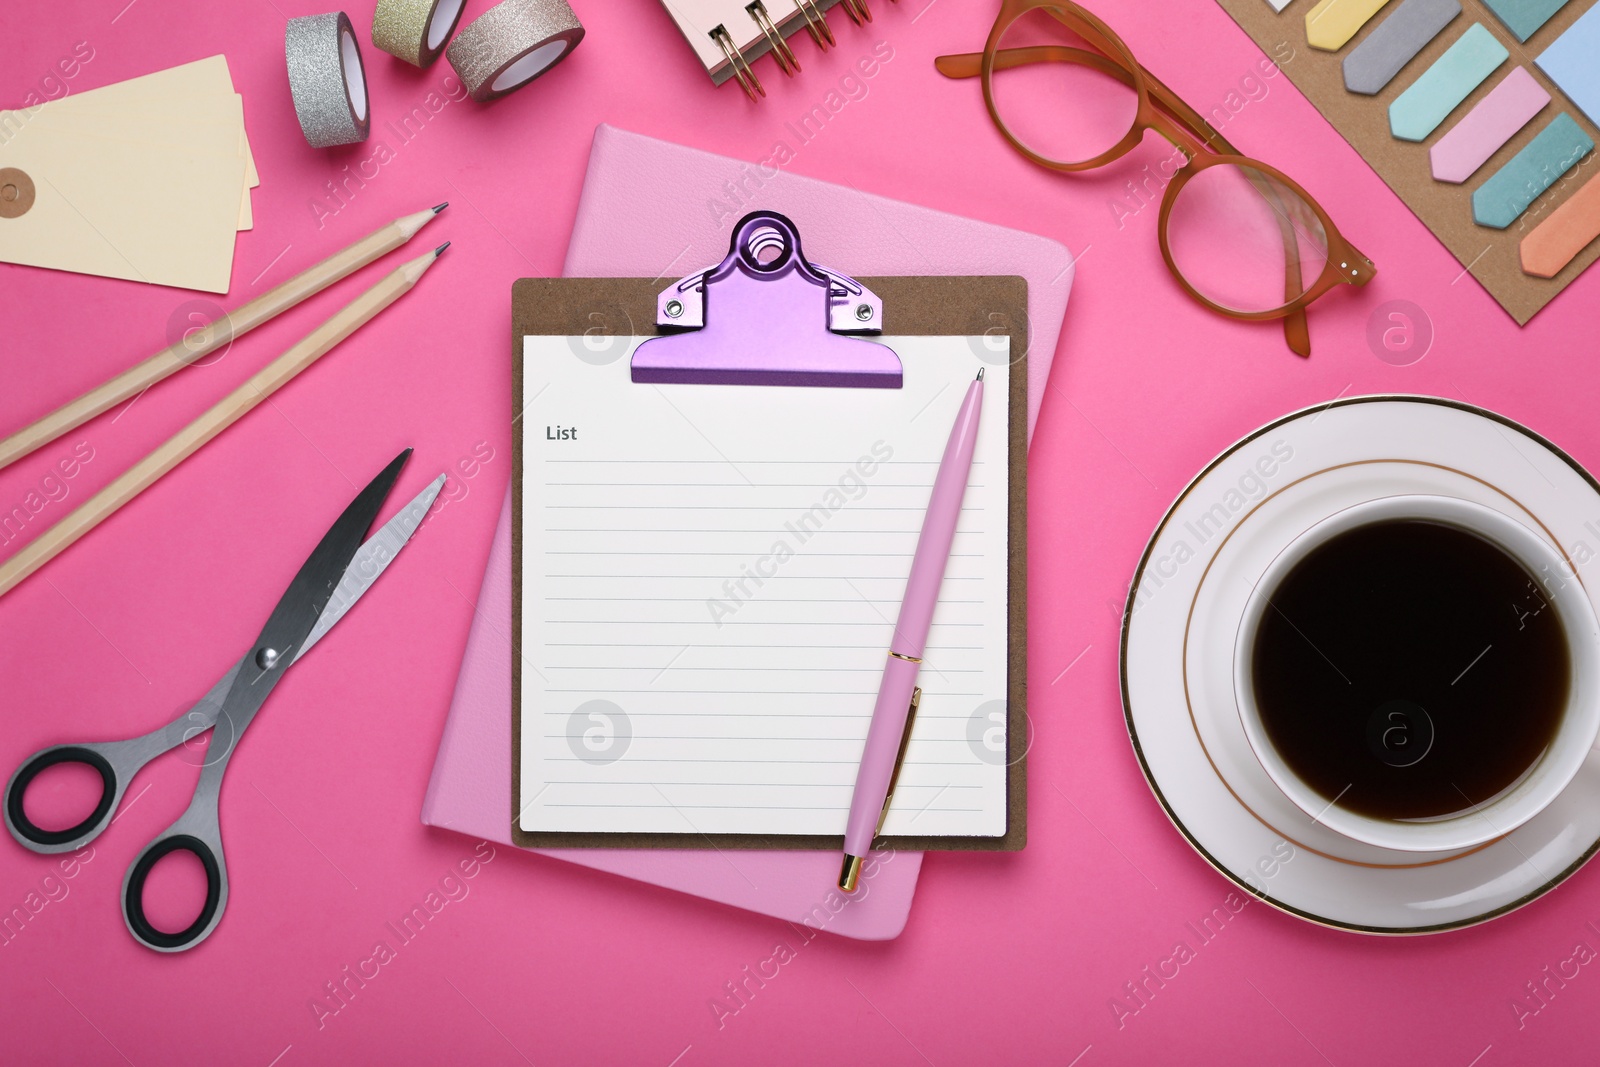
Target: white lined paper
{"points": [[722, 565]]}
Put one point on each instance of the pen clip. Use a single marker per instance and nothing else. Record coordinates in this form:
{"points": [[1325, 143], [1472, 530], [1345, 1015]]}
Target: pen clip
{"points": [[900, 757]]}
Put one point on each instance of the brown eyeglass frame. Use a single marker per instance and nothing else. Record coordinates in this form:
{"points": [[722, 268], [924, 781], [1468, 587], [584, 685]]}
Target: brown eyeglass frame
{"points": [[1161, 110]]}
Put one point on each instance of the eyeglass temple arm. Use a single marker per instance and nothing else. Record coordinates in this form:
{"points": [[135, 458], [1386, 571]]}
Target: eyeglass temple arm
{"points": [[1191, 131], [1194, 129], [1296, 331]]}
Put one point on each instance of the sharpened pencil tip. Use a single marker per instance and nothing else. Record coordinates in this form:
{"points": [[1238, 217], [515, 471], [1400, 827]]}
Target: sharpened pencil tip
{"points": [[441, 207], [980, 374], [437, 252]]}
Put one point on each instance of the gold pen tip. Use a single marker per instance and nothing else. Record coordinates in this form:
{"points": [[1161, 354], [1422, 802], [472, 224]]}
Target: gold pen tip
{"points": [[850, 873], [441, 207], [437, 252]]}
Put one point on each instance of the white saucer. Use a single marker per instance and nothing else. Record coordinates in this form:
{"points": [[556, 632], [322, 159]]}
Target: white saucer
{"points": [[1184, 609]]}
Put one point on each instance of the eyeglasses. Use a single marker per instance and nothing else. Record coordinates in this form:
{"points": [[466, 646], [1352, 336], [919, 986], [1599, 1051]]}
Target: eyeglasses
{"points": [[1240, 237]]}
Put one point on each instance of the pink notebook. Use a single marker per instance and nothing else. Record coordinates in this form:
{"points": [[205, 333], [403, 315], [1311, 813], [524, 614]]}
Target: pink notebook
{"points": [[648, 209]]}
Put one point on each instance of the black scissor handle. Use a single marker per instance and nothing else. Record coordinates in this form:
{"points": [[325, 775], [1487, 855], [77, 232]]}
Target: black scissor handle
{"points": [[36, 837], [116, 762], [133, 892]]}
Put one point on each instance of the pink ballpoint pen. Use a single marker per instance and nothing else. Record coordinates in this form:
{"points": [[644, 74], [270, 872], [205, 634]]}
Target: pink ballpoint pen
{"points": [[898, 694]]}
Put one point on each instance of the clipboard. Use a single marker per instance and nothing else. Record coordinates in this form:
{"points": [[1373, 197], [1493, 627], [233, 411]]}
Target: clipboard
{"points": [[795, 325]]}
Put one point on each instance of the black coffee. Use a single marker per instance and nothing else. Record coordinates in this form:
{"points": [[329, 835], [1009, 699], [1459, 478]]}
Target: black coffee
{"points": [[1410, 669]]}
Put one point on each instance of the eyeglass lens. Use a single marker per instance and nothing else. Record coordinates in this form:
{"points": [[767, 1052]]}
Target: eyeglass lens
{"points": [[1065, 111], [1244, 240]]}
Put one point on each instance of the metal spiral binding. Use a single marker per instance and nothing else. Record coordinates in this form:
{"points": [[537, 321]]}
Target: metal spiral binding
{"points": [[741, 66], [781, 52], [857, 10], [816, 22]]}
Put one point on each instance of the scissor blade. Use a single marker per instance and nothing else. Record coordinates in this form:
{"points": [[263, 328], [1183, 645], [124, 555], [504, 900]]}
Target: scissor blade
{"points": [[302, 603], [373, 557]]}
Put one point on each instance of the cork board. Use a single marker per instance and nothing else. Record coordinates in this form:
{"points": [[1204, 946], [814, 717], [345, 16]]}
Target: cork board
{"points": [[1489, 255], [933, 306]]}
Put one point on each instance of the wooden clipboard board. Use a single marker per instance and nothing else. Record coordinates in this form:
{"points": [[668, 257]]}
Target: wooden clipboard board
{"points": [[913, 306]]}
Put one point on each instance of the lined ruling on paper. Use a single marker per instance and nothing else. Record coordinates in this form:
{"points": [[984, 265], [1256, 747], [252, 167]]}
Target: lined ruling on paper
{"points": [[710, 579]]}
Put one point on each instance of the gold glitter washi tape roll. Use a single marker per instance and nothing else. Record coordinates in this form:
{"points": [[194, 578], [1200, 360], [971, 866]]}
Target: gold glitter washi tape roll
{"points": [[327, 79], [415, 30], [513, 43]]}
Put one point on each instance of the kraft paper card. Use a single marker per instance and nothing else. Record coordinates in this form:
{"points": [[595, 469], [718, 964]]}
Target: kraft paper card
{"points": [[1489, 254]]}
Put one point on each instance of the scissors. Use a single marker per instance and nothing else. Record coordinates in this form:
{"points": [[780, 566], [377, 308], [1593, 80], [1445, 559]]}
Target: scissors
{"points": [[333, 578]]}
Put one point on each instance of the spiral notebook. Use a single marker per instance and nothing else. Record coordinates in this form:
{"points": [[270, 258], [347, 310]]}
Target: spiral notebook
{"points": [[727, 36]]}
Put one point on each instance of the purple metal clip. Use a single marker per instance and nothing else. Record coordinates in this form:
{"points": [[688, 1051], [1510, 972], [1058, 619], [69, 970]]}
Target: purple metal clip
{"points": [[778, 320]]}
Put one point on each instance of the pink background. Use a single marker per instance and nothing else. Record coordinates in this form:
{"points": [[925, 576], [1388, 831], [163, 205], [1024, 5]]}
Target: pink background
{"points": [[1005, 958]]}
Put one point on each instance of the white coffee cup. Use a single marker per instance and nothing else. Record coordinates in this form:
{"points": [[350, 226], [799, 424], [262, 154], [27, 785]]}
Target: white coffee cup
{"points": [[1543, 781]]}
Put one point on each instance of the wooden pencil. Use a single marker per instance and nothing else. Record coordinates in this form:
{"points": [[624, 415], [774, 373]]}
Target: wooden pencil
{"points": [[202, 343], [223, 414]]}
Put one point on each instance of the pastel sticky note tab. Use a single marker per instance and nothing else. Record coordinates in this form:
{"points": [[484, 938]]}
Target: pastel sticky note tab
{"points": [[1278, 5], [1333, 22], [1524, 17], [1509, 106], [1568, 230], [1500, 200], [1395, 42], [1418, 111], [1573, 62]]}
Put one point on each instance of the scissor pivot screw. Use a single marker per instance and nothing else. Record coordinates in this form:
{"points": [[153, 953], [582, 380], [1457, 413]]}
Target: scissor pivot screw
{"points": [[267, 658], [863, 312], [674, 309]]}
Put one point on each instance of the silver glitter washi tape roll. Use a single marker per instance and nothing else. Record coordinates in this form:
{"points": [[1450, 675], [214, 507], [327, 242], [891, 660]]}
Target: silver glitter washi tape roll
{"points": [[513, 43], [415, 30], [327, 79]]}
